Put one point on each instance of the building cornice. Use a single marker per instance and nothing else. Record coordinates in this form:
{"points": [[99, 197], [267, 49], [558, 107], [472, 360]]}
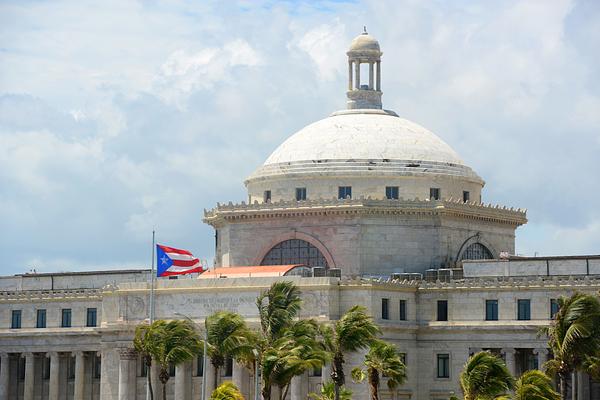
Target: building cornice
{"points": [[450, 208], [50, 295]]}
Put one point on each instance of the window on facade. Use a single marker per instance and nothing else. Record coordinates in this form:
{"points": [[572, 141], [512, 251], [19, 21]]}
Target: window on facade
{"points": [[391, 192], [476, 251], [92, 315], [66, 318], [300, 194], [46, 368], [317, 371], [295, 251], [97, 366], [228, 367], [199, 366], [385, 308], [41, 319], [553, 308], [402, 315], [15, 322], [466, 196], [71, 368], [171, 370], [21, 368], [443, 365], [434, 193], [345, 192], [491, 310], [442, 310], [267, 196], [143, 367], [523, 309]]}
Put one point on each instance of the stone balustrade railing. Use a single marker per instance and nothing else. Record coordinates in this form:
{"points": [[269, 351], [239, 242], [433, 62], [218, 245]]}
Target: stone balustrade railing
{"points": [[12, 295]]}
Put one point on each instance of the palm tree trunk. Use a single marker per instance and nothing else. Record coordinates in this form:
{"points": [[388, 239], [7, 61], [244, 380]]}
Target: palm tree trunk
{"points": [[574, 385], [284, 391], [374, 383], [266, 389], [563, 388], [149, 379], [164, 387], [337, 374], [215, 378]]}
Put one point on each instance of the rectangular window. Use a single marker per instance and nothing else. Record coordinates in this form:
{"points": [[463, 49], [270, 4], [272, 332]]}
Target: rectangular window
{"points": [[466, 196], [41, 319], [491, 310], [442, 310], [391, 192], [402, 310], [91, 319], [171, 370], [344, 192], [385, 308], [553, 308], [300, 194], [199, 366], [317, 371], [66, 318], [21, 368], [97, 366], [267, 196], [46, 368], [443, 365], [16, 319], [71, 368], [228, 368], [434, 193], [523, 309]]}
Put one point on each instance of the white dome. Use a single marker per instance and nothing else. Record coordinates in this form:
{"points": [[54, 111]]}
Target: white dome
{"points": [[364, 42], [364, 136]]}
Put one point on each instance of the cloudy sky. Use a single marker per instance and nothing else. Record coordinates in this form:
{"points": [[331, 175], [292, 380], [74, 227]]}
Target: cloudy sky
{"points": [[120, 117]]}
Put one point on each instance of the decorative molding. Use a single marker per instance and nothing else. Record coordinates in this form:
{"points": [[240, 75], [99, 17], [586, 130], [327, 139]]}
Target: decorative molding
{"points": [[49, 295], [452, 208]]}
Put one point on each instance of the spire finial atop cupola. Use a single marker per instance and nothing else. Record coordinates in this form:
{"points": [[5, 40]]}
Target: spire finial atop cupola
{"points": [[364, 49]]}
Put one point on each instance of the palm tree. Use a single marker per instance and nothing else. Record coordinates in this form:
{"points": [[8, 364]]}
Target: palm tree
{"points": [[297, 351], [226, 391], [277, 309], [172, 343], [144, 341], [534, 385], [227, 337], [353, 332], [573, 336], [485, 376], [382, 359], [327, 392]]}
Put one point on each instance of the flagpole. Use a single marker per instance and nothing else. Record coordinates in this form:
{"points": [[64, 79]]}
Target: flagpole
{"points": [[152, 281]]}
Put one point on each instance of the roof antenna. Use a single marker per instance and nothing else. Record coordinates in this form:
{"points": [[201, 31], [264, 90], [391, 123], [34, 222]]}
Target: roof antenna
{"points": [[365, 30]]}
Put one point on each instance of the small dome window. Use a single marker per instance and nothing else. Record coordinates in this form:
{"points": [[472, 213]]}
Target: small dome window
{"points": [[476, 251], [295, 251]]}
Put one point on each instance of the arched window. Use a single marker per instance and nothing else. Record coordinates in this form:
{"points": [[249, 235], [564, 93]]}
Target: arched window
{"points": [[476, 251], [295, 251]]}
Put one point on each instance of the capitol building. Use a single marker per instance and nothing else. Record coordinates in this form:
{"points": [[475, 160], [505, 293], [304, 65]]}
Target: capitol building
{"points": [[362, 207]]}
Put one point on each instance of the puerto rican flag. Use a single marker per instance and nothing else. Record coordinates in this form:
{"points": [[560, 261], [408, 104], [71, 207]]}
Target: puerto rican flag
{"points": [[171, 261]]}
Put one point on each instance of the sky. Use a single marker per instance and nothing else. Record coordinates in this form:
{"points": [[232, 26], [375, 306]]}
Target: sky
{"points": [[118, 118]]}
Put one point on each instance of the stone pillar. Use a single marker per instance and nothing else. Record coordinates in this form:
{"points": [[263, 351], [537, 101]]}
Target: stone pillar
{"points": [[210, 378], [156, 385], [240, 378], [80, 378], [509, 359], [378, 75], [349, 75], [29, 383], [4, 375], [542, 357], [183, 381], [127, 374], [371, 76], [325, 373], [54, 382], [357, 74], [299, 387]]}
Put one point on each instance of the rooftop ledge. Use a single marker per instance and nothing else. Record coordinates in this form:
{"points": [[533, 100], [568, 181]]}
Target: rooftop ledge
{"points": [[292, 208]]}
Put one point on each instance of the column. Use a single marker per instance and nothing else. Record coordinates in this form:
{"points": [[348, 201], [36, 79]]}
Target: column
{"points": [[357, 74], [29, 376], [210, 378], [349, 75], [299, 387], [79, 390], [183, 381], [371, 76], [54, 382], [156, 385], [127, 358], [509, 359], [4, 375], [378, 75], [241, 378], [542, 357]]}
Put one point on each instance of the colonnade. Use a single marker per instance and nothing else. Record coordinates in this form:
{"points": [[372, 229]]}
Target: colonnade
{"points": [[55, 386]]}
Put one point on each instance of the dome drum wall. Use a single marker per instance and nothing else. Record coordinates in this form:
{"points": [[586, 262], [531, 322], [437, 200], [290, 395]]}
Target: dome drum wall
{"points": [[326, 187]]}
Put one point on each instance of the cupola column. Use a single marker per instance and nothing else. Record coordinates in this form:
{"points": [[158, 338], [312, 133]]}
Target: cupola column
{"points": [[349, 74], [378, 76], [357, 74], [371, 76], [364, 50]]}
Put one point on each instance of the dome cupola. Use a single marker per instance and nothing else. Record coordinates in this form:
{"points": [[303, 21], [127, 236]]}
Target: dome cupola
{"points": [[365, 92]]}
